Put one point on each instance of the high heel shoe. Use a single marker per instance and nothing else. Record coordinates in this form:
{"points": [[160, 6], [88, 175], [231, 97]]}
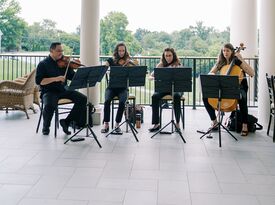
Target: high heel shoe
{"points": [[105, 130], [154, 129]]}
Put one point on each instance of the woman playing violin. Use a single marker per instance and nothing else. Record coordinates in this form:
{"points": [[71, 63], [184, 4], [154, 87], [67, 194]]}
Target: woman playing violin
{"points": [[52, 81], [227, 54], [169, 59], [120, 57]]}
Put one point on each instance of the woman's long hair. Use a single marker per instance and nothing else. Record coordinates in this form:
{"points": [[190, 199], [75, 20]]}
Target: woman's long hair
{"points": [[116, 55], [175, 61], [221, 59]]}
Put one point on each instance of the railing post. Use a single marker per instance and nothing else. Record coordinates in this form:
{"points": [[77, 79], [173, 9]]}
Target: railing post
{"points": [[194, 83], [256, 64]]}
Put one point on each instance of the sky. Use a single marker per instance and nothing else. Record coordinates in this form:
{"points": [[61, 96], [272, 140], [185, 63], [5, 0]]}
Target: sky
{"points": [[153, 15]]}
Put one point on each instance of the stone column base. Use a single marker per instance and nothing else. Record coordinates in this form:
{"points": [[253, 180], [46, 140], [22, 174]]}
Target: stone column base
{"points": [[97, 116]]}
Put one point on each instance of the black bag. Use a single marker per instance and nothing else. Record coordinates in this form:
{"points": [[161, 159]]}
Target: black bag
{"points": [[139, 111], [252, 123], [131, 112]]}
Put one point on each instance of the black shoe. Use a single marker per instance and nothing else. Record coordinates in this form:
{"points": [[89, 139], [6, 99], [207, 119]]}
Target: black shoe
{"points": [[118, 130], [45, 131], [214, 128], [65, 127], [178, 130], [154, 129], [105, 130], [165, 105]]}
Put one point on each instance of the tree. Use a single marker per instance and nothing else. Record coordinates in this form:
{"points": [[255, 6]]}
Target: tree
{"points": [[11, 25], [113, 30], [41, 34], [72, 41], [140, 33], [201, 31], [181, 38], [153, 43]]}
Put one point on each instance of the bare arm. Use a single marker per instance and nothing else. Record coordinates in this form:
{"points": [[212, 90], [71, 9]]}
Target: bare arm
{"points": [[151, 76], [107, 64], [245, 66], [213, 70]]}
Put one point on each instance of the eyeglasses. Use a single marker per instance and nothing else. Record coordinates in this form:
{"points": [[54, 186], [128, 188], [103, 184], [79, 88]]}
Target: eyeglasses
{"points": [[59, 51]]}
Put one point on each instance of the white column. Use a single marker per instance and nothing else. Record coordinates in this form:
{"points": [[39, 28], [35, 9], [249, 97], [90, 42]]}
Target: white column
{"points": [[266, 55], [243, 27], [89, 44]]}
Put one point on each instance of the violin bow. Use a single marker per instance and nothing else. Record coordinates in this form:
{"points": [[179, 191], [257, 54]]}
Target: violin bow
{"points": [[68, 63]]}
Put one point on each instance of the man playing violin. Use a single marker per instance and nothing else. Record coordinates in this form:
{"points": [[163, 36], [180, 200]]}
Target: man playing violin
{"points": [[226, 56], [53, 82], [120, 57]]}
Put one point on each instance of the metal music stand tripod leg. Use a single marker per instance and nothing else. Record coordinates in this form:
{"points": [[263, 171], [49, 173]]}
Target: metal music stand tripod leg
{"points": [[172, 120], [220, 94], [219, 125], [87, 125], [127, 121]]}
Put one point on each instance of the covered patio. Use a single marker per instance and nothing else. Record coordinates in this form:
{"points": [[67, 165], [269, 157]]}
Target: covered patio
{"points": [[37, 169]]}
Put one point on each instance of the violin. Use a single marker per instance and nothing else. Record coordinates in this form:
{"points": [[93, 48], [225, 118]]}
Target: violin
{"points": [[228, 105], [128, 62], [66, 61]]}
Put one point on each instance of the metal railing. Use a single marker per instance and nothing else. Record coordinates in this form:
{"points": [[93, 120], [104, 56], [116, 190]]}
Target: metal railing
{"points": [[16, 65]]}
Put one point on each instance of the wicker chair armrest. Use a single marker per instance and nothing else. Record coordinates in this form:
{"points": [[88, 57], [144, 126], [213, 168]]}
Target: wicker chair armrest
{"points": [[8, 84], [20, 79]]}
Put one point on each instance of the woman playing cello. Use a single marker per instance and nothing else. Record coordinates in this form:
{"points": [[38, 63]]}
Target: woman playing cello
{"points": [[226, 56]]}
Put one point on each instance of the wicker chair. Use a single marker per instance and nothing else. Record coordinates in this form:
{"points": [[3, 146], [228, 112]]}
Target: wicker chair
{"points": [[36, 93], [18, 94]]}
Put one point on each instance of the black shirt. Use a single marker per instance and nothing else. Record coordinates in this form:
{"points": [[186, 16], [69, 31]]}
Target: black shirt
{"points": [[112, 62], [48, 68]]}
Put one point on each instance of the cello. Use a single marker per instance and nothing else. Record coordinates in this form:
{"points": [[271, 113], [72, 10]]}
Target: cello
{"points": [[228, 105]]}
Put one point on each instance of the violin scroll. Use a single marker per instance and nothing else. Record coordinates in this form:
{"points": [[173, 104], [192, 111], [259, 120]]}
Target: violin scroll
{"points": [[241, 47]]}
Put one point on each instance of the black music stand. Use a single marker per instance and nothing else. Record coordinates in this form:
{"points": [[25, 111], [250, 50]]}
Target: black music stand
{"points": [[173, 80], [86, 77], [220, 87], [125, 77]]}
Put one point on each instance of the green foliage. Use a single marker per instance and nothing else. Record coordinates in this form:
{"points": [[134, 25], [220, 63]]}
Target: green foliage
{"points": [[11, 25], [72, 41], [41, 34], [113, 30], [193, 41]]}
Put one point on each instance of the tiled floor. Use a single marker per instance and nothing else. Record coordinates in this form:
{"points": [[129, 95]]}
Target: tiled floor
{"points": [[41, 170]]}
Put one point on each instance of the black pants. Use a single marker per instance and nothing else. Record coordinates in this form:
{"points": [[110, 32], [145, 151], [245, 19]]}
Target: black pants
{"points": [[155, 106], [242, 103], [110, 93], [77, 114]]}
